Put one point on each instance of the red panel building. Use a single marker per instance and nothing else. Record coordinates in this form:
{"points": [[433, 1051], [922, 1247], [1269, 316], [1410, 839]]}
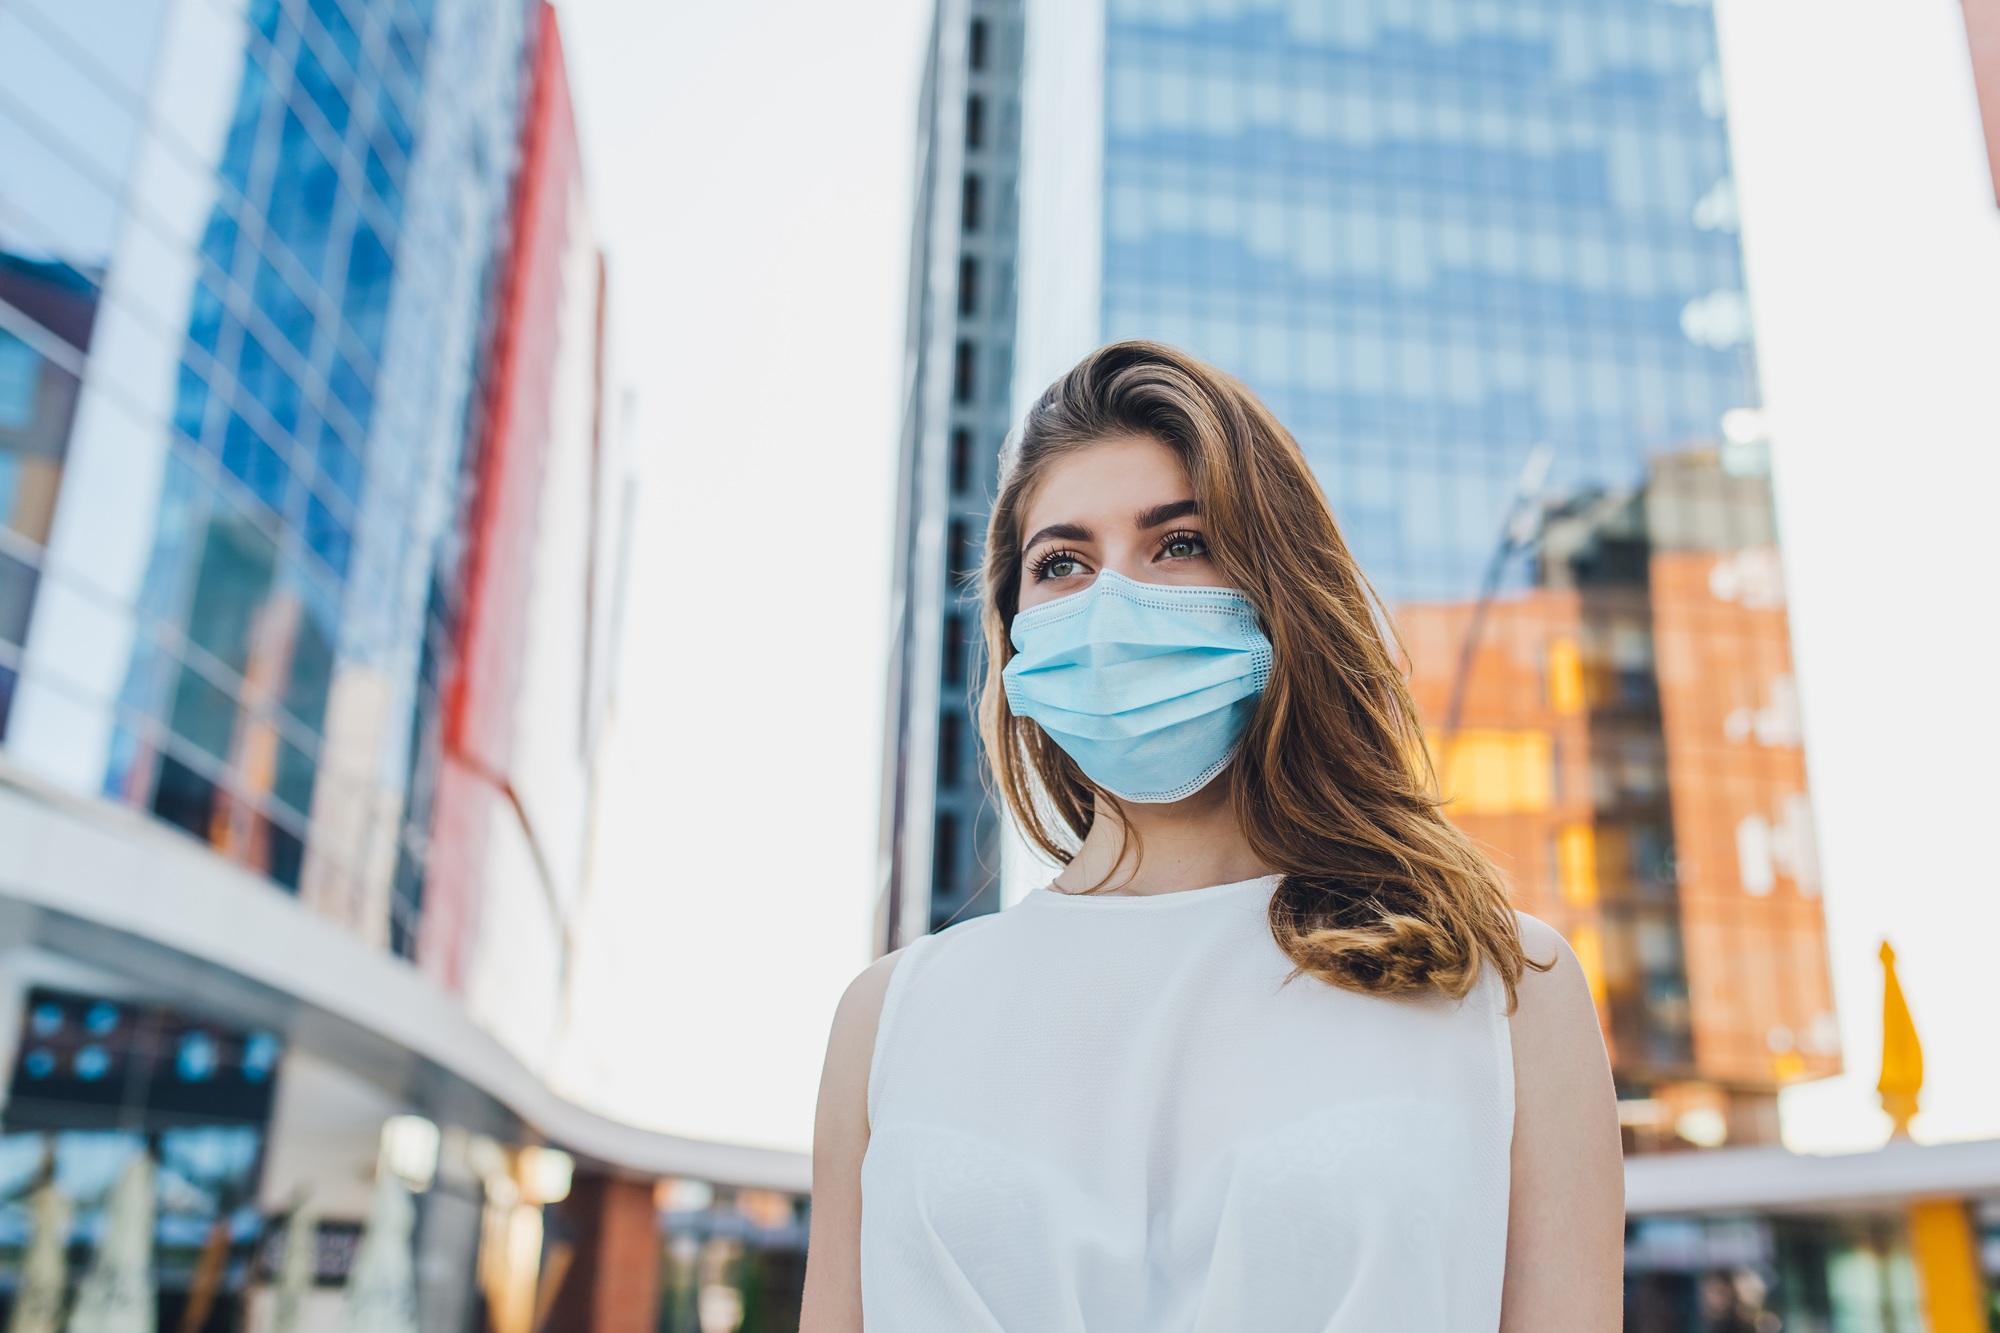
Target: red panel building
{"points": [[1982, 29], [508, 465]]}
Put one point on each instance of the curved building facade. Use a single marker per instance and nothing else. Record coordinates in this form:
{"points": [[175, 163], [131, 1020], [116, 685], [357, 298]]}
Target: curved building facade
{"points": [[310, 533]]}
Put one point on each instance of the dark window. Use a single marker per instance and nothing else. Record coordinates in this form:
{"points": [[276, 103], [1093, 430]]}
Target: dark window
{"points": [[959, 554], [975, 121], [17, 599], [184, 797], [312, 673], [251, 458], [285, 856], [961, 460], [296, 771], [204, 714], [260, 374], [190, 402], [218, 243], [968, 285], [285, 307], [393, 120], [338, 28], [7, 679], [338, 462], [353, 392], [319, 86], [205, 318], [944, 857], [254, 94], [951, 748], [237, 566], [328, 536], [969, 209], [302, 195], [387, 182], [365, 303], [976, 42], [961, 379], [954, 652]]}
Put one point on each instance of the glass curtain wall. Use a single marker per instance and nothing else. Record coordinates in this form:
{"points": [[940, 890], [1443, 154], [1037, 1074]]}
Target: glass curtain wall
{"points": [[1433, 236], [320, 391], [1482, 259]]}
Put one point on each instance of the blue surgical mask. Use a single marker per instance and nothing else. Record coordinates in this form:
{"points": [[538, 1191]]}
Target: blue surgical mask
{"points": [[1147, 686]]}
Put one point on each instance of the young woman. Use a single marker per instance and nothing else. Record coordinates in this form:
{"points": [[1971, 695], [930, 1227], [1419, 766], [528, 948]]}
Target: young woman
{"points": [[1272, 1053]]}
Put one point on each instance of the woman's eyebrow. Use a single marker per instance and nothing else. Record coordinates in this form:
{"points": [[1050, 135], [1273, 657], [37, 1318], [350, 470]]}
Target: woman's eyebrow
{"points": [[1167, 513], [1069, 532]]}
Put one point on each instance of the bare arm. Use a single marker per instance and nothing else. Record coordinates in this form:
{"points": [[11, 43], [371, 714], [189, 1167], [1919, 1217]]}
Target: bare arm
{"points": [[1566, 1218], [840, 1140]]}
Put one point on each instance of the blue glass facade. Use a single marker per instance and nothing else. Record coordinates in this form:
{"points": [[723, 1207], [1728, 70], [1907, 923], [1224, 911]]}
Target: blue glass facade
{"points": [[941, 833], [1431, 236], [298, 284], [1464, 249], [273, 403]]}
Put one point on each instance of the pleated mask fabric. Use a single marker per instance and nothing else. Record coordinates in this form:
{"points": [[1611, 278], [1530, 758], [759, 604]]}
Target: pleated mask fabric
{"points": [[1147, 686]]}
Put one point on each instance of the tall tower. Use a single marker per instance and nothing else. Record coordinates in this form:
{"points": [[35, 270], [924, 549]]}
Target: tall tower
{"points": [[1482, 259], [940, 832]]}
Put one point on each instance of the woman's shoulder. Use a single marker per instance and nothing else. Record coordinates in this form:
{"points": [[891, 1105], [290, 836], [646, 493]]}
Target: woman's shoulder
{"points": [[858, 1018], [1556, 1036], [1544, 945]]}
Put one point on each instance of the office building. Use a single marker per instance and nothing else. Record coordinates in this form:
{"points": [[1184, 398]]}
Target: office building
{"points": [[310, 537], [1460, 249], [1483, 260], [941, 834]]}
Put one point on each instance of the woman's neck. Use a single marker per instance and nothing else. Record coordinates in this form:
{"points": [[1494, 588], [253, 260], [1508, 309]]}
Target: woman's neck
{"points": [[1146, 849]]}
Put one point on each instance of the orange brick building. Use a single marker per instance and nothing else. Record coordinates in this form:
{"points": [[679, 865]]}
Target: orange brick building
{"points": [[1628, 750]]}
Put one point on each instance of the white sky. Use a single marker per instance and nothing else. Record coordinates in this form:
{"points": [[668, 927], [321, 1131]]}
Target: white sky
{"points": [[750, 164]]}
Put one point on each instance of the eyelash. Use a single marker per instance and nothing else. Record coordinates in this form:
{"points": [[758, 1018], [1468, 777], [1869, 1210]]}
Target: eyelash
{"points": [[1041, 569], [1041, 566]]}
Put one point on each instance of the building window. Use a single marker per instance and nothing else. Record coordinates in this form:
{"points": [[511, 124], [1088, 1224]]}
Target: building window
{"points": [[961, 460], [961, 378], [970, 207], [944, 857], [954, 652], [951, 747], [976, 44], [975, 121], [968, 285], [960, 550]]}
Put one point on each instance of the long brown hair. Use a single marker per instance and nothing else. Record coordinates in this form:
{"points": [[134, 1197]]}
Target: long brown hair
{"points": [[1332, 783]]}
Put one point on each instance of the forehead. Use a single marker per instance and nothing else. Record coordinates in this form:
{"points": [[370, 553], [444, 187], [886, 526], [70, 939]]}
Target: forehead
{"points": [[1114, 477]]}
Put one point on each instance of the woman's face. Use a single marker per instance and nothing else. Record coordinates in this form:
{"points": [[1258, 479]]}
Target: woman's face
{"points": [[1122, 504]]}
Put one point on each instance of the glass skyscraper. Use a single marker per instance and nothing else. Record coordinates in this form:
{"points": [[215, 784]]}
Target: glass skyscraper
{"points": [[247, 256], [1432, 236], [1481, 256], [311, 516], [941, 836]]}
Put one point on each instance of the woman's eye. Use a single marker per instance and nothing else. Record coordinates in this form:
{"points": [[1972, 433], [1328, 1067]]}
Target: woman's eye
{"points": [[1058, 565], [1183, 546]]}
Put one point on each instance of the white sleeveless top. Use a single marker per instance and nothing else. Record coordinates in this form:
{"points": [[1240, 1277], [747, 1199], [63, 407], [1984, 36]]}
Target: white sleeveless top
{"points": [[1096, 1114]]}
